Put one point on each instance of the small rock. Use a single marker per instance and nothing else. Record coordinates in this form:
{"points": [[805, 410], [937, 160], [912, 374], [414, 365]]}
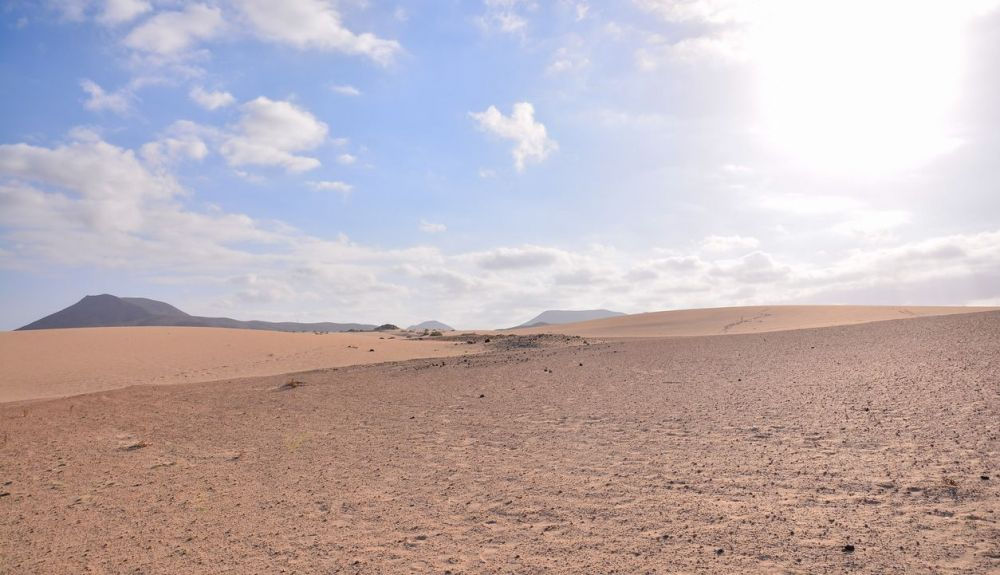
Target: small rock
{"points": [[848, 549], [371, 350], [984, 477], [482, 395], [720, 551]]}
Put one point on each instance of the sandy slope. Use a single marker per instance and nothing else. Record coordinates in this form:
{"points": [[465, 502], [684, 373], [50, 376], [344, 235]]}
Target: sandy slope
{"points": [[52, 363], [732, 320], [761, 453]]}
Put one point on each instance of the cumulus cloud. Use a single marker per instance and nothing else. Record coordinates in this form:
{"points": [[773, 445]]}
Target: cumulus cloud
{"points": [[98, 99], [532, 142], [211, 100], [91, 203], [183, 140], [270, 133], [313, 24], [346, 159], [107, 185], [174, 32], [432, 228]]}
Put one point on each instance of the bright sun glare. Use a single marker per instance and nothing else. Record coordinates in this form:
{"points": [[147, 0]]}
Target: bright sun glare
{"points": [[854, 94]]}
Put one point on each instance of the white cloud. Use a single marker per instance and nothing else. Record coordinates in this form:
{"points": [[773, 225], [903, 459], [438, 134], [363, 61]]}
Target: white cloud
{"points": [[505, 15], [699, 11], [753, 268], [331, 186], [432, 228], [532, 141], [117, 12], [518, 258], [346, 90], [568, 59], [873, 224], [487, 173], [100, 100], [270, 133], [346, 159], [171, 33], [183, 140], [108, 185], [313, 24], [90, 203], [211, 100], [727, 244]]}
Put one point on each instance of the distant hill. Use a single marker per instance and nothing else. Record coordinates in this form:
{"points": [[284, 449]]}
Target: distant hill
{"points": [[106, 310], [559, 316], [431, 325]]}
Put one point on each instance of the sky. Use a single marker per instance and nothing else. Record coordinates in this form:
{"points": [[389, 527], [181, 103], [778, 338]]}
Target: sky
{"points": [[479, 161]]}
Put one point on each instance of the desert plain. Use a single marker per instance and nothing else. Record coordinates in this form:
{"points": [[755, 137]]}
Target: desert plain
{"points": [[800, 439]]}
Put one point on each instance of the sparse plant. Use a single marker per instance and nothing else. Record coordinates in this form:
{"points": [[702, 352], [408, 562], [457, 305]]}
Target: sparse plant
{"points": [[435, 333]]}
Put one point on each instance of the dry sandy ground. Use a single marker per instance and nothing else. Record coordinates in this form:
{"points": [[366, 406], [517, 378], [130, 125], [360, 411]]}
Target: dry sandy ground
{"points": [[60, 362], [733, 320], [735, 454]]}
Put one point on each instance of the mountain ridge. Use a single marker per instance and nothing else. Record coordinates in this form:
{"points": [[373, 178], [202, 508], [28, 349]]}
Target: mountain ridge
{"points": [[106, 310]]}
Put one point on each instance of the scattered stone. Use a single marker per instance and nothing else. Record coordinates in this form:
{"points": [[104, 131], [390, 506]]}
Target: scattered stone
{"points": [[848, 549], [4, 493], [290, 384], [984, 477], [482, 395], [133, 445], [371, 350], [720, 551]]}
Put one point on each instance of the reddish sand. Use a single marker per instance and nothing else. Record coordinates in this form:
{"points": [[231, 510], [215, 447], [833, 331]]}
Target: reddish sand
{"points": [[59, 362], [864, 449], [734, 320]]}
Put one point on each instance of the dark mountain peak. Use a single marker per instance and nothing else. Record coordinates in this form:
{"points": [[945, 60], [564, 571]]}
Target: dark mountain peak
{"points": [[94, 311], [155, 307], [106, 310]]}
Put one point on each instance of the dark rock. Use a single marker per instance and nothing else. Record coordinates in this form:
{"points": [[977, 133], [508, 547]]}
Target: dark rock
{"points": [[848, 549]]}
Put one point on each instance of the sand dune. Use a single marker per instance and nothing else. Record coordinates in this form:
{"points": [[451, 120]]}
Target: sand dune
{"points": [[857, 449], [53, 363], [752, 319]]}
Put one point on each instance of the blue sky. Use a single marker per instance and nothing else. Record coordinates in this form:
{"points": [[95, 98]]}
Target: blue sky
{"points": [[477, 162]]}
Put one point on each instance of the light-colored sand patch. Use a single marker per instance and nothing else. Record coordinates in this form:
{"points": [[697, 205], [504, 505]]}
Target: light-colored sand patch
{"points": [[60, 362], [750, 319]]}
